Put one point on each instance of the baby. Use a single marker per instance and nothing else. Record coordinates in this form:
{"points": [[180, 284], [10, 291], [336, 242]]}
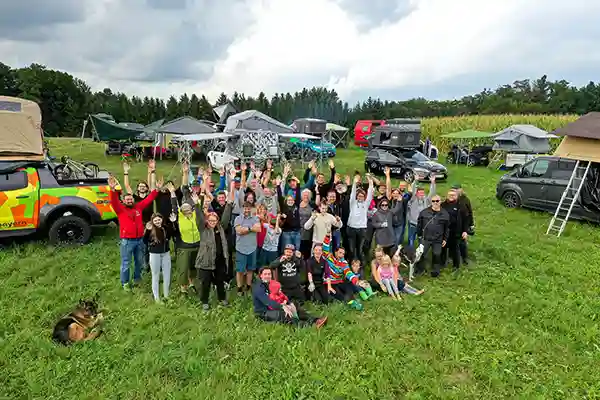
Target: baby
{"points": [[278, 296], [363, 288]]}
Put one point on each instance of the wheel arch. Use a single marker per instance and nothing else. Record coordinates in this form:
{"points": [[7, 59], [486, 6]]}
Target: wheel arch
{"points": [[73, 205]]}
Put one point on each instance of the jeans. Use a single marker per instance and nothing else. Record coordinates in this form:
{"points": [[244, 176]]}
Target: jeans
{"points": [[399, 233], [160, 262], [132, 249], [412, 234], [356, 241], [436, 263], [291, 237], [336, 239], [391, 286]]}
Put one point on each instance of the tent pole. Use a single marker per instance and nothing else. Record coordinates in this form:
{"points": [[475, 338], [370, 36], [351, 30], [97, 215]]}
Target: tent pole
{"points": [[85, 122]]}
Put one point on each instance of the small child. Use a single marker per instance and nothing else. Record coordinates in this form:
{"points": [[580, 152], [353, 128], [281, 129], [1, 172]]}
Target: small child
{"points": [[278, 296], [363, 288], [405, 287], [388, 275], [270, 245]]}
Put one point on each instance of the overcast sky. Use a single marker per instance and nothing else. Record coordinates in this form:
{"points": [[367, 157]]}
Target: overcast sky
{"points": [[395, 49]]}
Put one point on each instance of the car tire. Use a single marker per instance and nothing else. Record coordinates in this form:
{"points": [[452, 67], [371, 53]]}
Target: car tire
{"points": [[511, 199], [69, 230], [471, 161], [408, 176], [373, 166], [450, 158]]}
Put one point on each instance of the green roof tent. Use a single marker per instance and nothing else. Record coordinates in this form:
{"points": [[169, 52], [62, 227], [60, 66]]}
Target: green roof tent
{"points": [[468, 134]]}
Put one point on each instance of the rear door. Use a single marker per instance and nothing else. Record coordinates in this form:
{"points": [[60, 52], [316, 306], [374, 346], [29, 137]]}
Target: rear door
{"points": [[532, 181], [19, 200], [558, 180]]}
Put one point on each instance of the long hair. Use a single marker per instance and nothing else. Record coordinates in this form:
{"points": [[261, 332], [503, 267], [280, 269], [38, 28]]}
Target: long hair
{"points": [[157, 235]]}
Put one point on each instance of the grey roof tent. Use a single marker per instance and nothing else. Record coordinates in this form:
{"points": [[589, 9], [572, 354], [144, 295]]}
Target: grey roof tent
{"points": [[223, 112], [312, 126], [253, 120], [186, 126], [523, 139]]}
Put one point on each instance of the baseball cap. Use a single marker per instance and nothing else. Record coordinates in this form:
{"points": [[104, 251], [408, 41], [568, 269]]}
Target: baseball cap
{"points": [[290, 246], [237, 179]]}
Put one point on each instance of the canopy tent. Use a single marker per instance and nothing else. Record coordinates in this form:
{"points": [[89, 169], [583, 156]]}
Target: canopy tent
{"points": [[335, 127], [582, 141], [337, 135], [186, 126], [202, 136], [468, 134], [105, 129], [21, 135], [523, 139], [253, 120]]}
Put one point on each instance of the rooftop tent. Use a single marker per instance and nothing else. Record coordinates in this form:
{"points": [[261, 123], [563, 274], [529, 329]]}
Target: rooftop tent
{"points": [[523, 139], [582, 141], [335, 127], [21, 135], [468, 134], [310, 126], [397, 136], [106, 129], [107, 117], [224, 112], [253, 120], [186, 126]]}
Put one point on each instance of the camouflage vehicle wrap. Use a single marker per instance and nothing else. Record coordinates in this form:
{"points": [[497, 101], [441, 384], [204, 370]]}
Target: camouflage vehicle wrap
{"points": [[43, 200]]}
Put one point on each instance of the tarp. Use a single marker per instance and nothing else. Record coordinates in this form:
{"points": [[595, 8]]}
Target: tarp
{"points": [[186, 126], [523, 139], [587, 126], [253, 120], [108, 130], [21, 135], [468, 134], [335, 127]]}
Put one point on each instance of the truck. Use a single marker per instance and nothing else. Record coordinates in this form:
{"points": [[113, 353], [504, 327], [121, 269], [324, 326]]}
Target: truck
{"points": [[33, 201]]}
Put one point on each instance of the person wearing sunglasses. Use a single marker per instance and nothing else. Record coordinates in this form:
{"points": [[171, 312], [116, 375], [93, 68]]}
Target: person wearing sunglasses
{"points": [[383, 223], [433, 228]]}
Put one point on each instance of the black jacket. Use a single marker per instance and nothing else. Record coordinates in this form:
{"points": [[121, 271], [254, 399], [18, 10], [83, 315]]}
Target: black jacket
{"points": [[465, 203], [317, 269], [433, 226], [261, 300], [292, 214], [161, 245], [288, 272], [458, 218]]}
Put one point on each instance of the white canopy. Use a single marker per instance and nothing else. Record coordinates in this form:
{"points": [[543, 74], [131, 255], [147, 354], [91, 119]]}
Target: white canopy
{"points": [[202, 136], [298, 136]]}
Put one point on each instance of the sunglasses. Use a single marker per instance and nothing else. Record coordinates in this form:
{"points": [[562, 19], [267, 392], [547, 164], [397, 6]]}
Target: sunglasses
{"points": [[384, 205], [435, 201]]}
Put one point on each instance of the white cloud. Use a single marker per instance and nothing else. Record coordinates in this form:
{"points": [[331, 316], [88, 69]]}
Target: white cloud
{"points": [[285, 45]]}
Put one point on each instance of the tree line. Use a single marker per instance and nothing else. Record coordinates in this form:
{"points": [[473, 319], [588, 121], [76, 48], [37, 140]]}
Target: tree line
{"points": [[66, 101]]}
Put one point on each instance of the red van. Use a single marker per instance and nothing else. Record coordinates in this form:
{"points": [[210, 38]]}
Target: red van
{"points": [[365, 128]]}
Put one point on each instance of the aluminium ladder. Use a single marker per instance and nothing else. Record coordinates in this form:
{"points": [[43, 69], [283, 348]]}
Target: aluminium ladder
{"points": [[563, 212]]}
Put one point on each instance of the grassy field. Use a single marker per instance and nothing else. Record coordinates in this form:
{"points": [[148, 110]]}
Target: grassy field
{"points": [[521, 323]]}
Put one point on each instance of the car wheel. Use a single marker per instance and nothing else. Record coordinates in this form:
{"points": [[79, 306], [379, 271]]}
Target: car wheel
{"points": [[69, 230], [511, 199], [471, 162], [373, 166], [450, 158], [408, 176]]}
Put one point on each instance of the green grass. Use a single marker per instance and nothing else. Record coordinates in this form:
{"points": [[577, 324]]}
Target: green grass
{"points": [[523, 323]]}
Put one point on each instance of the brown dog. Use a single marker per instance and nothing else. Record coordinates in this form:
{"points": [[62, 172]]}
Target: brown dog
{"points": [[74, 327]]}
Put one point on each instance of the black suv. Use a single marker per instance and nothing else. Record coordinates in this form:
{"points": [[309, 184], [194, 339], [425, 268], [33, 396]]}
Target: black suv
{"points": [[409, 164], [539, 184]]}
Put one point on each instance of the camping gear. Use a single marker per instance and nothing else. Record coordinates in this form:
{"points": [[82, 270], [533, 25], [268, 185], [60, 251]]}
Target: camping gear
{"points": [[21, 135], [523, 139], [337, 135], [312, 126], [581, 143], [252, 120], [406, 136]]}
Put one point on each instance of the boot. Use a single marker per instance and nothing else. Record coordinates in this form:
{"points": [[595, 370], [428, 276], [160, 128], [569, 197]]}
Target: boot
{"points": [[355, 305], [370, 292], [363, 295]]}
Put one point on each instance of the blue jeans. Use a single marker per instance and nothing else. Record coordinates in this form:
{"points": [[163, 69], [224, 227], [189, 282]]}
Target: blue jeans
{"points": [[292, 237], [132, 249], [399, 234], [336, 237], [412, 234]]}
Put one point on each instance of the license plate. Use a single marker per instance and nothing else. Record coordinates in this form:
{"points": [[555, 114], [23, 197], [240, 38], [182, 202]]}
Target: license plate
{"points": [[439, 176]]}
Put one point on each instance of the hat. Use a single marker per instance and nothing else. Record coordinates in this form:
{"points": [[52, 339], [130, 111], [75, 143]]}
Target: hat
{"points": [[237, 179], [456, 186], [293, 178], [290, 246]]}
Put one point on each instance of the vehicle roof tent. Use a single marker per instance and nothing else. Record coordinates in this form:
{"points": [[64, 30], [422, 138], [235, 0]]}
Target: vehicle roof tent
{"points": [[311, 126], [253, 120], [21, 134], [224, 112], [527, 139], [582, 139], [406, 136]]}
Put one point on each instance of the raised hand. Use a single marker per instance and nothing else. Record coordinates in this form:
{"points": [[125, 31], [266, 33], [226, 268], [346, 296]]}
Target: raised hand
{"points": [[243, 167], [232, 172], [195, 197], [173, 217], [269, 164], [311, 164], [151, 165], [112, 182], [171, 187], [331, 163], [357, 179], [222, 171], [185, 167], [126, 167], [160, 182], [149, 225], [347, 180], [387, 171], [252, 166], [258, 173], [278, 181]]}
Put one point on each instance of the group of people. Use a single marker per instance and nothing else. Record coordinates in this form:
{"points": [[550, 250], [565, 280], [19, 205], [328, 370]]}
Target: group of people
{"points": [[307, 240]]}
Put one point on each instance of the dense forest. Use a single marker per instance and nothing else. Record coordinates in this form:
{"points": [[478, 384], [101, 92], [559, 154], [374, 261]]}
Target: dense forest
{"points": [[66, 101]]}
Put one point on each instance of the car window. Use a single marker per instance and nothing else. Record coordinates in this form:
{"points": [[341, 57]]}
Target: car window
{"points": [[563, 170], [415, 155], [373, 154], [385, 156], [535, 169], [13, 181]]}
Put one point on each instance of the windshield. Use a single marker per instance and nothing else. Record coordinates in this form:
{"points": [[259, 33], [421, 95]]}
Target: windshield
{"points": [[416, 155]]}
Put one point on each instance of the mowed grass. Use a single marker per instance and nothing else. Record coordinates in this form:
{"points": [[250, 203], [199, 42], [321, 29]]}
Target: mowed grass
{"points": [[521, 323]]}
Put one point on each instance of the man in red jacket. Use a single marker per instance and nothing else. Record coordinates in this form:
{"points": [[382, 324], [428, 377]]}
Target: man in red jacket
{"points": [[131, 230]]}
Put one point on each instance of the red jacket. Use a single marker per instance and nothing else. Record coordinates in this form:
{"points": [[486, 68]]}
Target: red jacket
{"points": [[131, 225]]}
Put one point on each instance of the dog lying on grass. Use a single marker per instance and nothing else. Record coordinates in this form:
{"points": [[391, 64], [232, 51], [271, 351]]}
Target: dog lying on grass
{"points": [[80, 325]]}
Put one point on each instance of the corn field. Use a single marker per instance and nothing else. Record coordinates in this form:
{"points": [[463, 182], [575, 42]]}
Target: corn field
{"points": [[435, 127]]}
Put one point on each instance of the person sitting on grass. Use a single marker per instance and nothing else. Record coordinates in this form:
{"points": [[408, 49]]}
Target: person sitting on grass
{"points": [[270, 310], [363, 288], [388, 276], [212, 261], [156, 239], [288, 269], [402, 285], [316, 267], [339, 276], [131, 230], [277, 295]]}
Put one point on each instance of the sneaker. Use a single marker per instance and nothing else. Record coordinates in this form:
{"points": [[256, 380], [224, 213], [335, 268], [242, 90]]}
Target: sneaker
{"points": [[435, 274], [321, 322], [205, 307], [225, 303], [158, 301], [240, 292], [127, 287], [183, 290]]}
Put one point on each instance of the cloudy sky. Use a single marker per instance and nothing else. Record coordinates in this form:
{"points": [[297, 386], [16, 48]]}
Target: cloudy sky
{"points": [[395, 49]]}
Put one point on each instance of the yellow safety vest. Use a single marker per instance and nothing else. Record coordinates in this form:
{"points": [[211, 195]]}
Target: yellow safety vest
{"points": [[188, 228]]}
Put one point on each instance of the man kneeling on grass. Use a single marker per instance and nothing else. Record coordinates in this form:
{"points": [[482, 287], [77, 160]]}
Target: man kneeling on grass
{"points": [[270, 310]]}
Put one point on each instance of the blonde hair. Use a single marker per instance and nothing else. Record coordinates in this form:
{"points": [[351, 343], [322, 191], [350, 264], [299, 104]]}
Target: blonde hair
{"points": [[386, 260], [309, 193], [396, 259], [378, 249]]}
